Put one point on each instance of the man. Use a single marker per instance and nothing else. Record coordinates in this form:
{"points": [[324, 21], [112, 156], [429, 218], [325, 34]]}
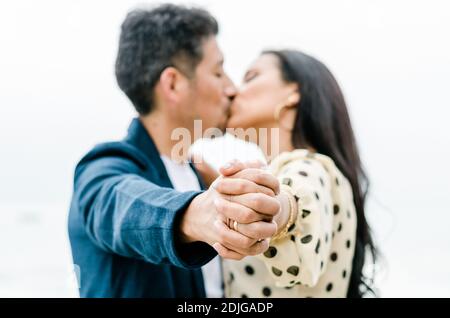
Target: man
{"points": [[132, 233]]}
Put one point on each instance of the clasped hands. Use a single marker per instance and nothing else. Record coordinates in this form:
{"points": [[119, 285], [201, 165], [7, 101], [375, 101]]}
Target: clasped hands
{"points": [[239, 212]]}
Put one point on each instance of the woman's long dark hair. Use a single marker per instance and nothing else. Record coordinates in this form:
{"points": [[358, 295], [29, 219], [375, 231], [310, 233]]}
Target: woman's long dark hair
{"points": [[322, 122]]}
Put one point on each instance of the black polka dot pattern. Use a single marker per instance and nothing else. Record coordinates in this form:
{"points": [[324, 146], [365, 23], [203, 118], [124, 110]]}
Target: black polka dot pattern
{"points": [[306, 239], [320, 240], [317, 250], [249, 270], [303, 173], [266, 291], [276, 271], [305, 213], [271, 252], [336, 209], [334, 256], [287, 181], [293, 270]]}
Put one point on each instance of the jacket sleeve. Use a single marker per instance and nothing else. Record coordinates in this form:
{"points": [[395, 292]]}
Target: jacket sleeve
{"points": [[125, 214]]}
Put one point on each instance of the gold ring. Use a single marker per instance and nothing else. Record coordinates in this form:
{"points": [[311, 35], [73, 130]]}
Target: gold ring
{"points": [[235, 226]]}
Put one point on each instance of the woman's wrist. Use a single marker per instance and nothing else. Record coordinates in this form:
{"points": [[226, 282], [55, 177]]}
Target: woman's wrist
{"points": [[282, 218]]}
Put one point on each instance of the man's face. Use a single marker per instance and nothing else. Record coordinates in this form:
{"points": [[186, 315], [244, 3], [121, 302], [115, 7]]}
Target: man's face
{"points": [[211, 89]]}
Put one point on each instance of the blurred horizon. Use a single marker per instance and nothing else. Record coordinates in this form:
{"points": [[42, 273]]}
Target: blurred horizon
{"points": [[59, 97]]}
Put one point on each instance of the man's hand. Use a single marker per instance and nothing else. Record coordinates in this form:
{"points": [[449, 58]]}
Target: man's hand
{"points": [[249, 198]]}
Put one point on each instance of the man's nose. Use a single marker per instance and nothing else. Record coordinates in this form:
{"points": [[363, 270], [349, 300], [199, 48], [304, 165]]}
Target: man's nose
{"points": [[230, 89]]}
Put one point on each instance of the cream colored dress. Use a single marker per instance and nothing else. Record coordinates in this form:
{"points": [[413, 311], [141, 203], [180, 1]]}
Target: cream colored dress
{"points": [[314, 258]]}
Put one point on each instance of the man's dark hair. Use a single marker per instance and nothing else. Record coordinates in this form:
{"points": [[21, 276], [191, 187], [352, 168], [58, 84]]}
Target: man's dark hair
{"points": [[154, 39]]}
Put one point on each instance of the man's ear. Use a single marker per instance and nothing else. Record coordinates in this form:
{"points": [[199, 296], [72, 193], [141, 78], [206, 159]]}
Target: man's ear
{"points": [[172, 83]]}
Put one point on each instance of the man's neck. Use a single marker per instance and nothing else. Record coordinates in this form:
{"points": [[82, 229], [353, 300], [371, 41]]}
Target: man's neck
{"points": [[160, 129]]}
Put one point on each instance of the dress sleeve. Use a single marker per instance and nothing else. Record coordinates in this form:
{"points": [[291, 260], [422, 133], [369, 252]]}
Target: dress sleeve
{"points": [[301, 255]]}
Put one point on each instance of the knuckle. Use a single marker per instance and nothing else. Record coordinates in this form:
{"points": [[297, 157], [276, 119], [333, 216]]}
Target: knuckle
{"points": [[219, 185], [246, 216], [222, 236], [266, 191], [258, 201], [276, 205], [258, 178], [240, 186], [221, 206]]}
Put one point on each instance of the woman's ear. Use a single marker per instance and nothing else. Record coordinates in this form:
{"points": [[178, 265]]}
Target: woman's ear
{"points": [[286, 119], [290, 103], [293, 99]]}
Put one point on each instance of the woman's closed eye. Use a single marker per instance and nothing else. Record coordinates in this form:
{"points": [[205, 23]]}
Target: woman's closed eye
{"points": [[250, 76]]}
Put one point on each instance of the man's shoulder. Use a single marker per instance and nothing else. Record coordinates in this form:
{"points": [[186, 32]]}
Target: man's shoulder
{"points": [[117, 151]]}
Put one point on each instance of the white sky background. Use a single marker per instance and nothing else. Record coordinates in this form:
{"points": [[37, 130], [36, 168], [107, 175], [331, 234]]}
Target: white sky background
{"points": [[58, 97]]}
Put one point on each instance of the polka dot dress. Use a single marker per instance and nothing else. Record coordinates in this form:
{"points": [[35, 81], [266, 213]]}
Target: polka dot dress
{"points": [[314, 258]]}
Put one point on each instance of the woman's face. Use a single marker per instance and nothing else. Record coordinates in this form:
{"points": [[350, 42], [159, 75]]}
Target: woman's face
{"points": [[262, 90]]}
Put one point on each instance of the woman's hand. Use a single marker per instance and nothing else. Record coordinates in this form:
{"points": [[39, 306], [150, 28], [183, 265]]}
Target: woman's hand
{"points": [[282, 217]]}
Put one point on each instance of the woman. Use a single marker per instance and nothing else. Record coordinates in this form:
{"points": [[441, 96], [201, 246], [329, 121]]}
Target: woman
{"points": [[319, 249]]}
